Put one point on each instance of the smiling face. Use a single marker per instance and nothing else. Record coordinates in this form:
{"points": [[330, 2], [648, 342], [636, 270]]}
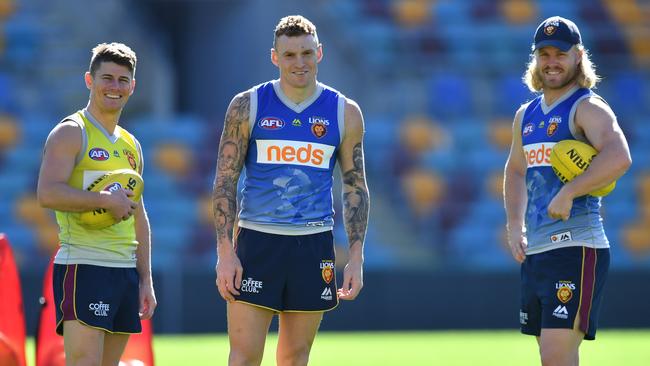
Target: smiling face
{"points": [[297, 58], [110, 87], [555, 68]]}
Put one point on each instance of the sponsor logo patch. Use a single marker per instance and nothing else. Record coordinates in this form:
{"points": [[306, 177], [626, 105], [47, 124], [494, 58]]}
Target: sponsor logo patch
{"points": [[251, 286], [296, 123], [523, 318], [560, 237], [561, 312], [326, 294], [99, 309], [294, 153], [98, 154], [538, 154], [541, 125]]}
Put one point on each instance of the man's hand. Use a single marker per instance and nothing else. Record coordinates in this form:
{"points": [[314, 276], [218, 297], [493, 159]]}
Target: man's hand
{"points": [[148, 301], [118, 203], [560, 206], [352, 280], [229, 273], [517, 242]]}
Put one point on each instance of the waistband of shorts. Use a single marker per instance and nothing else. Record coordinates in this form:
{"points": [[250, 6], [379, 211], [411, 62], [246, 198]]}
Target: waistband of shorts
{"points": [[283, 229]]}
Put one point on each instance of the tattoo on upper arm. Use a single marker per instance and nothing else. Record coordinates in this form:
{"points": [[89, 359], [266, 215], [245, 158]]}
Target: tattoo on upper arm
{"points": [[232, 153], [355, 199]]}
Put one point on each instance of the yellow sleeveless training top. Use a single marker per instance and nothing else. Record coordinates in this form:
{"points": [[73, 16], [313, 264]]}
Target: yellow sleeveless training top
{"points": [[100, 153]]}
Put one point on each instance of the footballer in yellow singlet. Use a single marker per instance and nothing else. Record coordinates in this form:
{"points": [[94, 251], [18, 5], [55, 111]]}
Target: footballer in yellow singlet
{"points": [[100, 153]]}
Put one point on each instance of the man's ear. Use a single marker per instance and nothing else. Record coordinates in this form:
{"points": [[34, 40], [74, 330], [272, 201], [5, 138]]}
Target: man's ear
{"points": [[88, 78], [274, 57]]}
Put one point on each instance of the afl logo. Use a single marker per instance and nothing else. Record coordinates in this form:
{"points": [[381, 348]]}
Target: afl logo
{"points": [[112, 187], [271, 123], [98, 154], [528, 129]]}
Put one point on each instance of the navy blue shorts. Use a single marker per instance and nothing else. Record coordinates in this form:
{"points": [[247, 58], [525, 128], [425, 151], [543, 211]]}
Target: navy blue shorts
{"points": [[105, 298], [560, 284], [287, 272]]}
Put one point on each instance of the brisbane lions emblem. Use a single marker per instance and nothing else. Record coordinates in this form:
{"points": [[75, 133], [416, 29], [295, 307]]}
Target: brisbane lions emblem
{"points": [[328, 274], [131, 157], [564, 294], [549, 30], [318, 129]]}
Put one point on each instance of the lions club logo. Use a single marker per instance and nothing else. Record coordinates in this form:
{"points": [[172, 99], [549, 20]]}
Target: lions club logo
{"points": [[327, 270]]}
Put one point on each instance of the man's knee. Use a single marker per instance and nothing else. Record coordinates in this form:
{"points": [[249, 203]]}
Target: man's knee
{"points": [[83, 357], [296, 355], [244, 357], [555, 357]]}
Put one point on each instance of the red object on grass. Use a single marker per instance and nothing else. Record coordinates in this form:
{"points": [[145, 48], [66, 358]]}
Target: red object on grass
{"points": [[49, 345], [12, 315]]}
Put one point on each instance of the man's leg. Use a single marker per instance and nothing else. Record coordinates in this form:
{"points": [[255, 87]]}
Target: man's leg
{"points": [[82, 344], [560, 347], [247, 329], [296, 336], [114, 345]]}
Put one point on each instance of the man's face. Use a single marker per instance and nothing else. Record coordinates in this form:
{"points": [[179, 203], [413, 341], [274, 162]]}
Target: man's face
{"points": [[110, 87], [297, 58], [556, 68]]}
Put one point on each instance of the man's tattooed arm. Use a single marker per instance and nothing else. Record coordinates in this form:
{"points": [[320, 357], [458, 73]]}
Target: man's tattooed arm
{"points": [[232, 153], [355, 191], [355, 199]]}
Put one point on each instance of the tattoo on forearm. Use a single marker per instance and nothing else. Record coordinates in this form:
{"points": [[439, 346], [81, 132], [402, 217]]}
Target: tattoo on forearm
{"points": [[232, 152], [355, 199]]}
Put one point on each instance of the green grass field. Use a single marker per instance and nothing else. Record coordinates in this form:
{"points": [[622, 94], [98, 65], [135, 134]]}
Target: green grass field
{"points": [[445, 348]]}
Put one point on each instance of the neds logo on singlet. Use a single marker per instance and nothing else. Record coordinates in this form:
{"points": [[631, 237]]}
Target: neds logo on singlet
{"points": [[294, 152], [538, 154]]}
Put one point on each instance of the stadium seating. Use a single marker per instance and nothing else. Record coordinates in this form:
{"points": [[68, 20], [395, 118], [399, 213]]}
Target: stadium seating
{"points": [[456, 65]]}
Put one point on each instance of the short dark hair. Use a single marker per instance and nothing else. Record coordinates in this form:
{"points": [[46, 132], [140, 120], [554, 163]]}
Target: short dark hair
{"points": [[294, 26], [118, 53]]}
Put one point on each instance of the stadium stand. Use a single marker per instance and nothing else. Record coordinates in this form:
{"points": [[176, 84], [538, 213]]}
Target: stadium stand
{"points": [[437, 60]]}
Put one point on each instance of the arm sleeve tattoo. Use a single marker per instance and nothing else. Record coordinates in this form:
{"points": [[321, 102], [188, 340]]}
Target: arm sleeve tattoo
{"points": [[231, 156], [355, 199]]}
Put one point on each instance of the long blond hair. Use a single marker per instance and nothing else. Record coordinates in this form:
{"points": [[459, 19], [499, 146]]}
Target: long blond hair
{"points": [[586, 78]]}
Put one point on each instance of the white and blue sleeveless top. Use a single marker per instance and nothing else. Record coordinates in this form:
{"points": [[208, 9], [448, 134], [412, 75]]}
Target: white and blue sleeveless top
{"points": [[542, 126], [287, 185]]}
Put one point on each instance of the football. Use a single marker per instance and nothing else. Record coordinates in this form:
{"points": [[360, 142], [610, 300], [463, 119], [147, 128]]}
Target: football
{"points": [[111, 181], [570, 158]]}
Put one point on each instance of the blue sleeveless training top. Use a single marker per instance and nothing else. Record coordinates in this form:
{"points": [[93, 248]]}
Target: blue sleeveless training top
{"points": [[287, 186], [541, 127]]}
